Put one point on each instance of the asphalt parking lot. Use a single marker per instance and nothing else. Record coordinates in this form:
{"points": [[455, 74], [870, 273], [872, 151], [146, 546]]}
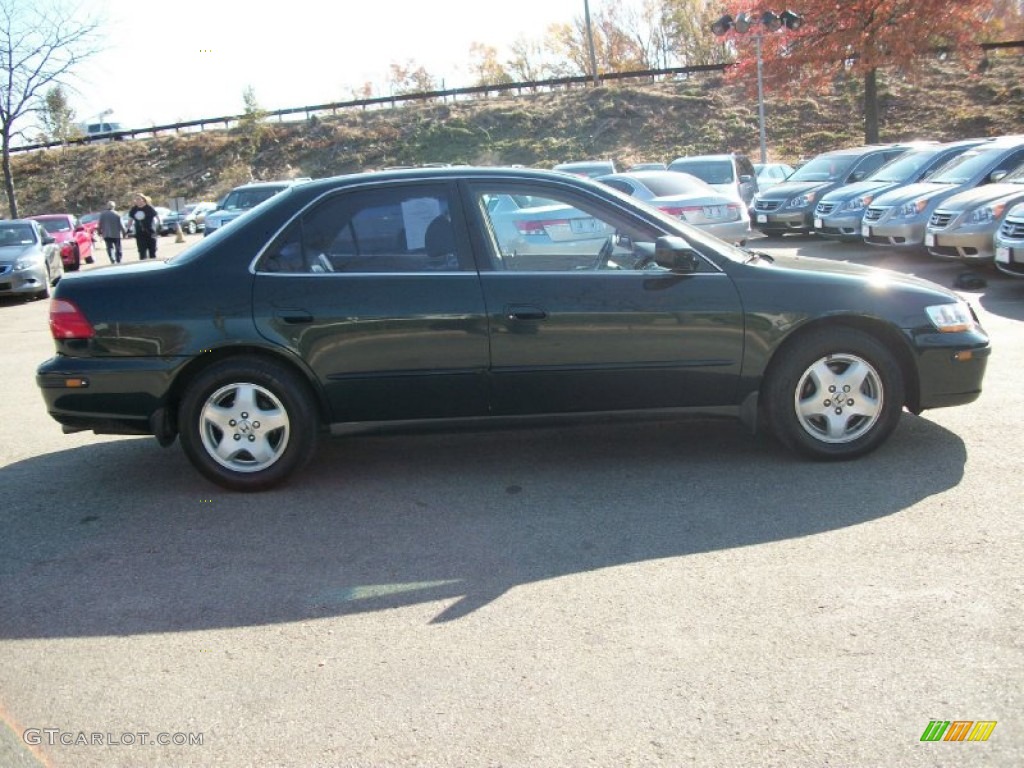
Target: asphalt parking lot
{"points": [[619, 594]]}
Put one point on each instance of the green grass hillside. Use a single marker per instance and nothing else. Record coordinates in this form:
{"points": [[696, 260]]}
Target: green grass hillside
{"points": [[629, 123]]}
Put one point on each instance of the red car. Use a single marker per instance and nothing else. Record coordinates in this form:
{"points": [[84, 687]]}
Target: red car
{"points": [[74, 239]]}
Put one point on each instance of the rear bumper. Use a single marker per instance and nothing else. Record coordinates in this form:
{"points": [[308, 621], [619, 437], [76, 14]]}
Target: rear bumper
{"points": [[82, 394]]}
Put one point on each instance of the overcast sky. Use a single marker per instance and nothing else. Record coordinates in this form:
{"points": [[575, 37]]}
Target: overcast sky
{"points": [[166, 62]]}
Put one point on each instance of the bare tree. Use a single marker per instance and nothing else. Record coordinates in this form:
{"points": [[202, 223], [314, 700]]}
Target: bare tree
{"points": [[40, 46]]}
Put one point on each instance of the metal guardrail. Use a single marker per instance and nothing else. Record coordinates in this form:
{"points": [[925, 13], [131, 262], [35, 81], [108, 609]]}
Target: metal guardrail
{"points": [[444, 95]]}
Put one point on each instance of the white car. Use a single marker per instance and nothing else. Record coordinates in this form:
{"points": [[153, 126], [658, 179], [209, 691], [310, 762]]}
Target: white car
{"points": [[688, 199]]}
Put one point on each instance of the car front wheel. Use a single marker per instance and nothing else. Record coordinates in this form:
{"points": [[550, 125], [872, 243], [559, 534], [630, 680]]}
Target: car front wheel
{"points": [[834, 394], [191, 227], [248, 424]]}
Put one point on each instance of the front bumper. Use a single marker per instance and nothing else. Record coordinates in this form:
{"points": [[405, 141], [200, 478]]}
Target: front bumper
{"points": [[1009, 257], [27, 282], [781, 220], [893, 233], [964, 244], [840, 226], [117, 396], [951, 367]]}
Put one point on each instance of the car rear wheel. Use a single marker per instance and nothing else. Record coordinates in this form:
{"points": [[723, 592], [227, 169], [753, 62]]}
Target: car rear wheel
{"points": [[190, 227], [247, 424], [835, 394]]}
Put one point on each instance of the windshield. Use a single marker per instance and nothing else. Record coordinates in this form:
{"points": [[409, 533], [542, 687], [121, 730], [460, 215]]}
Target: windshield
{"points": [[711, 171], [825, 168], [16, 234], [962, 169], [905, 167], [55, 225]]}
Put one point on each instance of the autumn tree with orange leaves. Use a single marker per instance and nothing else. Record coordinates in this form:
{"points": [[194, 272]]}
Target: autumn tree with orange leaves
{"points": [[857, 38]]}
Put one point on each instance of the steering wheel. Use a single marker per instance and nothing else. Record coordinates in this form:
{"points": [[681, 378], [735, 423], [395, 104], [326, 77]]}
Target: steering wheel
{"points": [[605, 254]]}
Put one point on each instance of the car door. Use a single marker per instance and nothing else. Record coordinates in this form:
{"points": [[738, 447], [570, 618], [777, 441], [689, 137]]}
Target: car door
{"points": [[581, 321], [375, 289]]}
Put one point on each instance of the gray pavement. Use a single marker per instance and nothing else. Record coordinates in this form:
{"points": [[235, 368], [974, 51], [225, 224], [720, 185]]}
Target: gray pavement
{"points": [[658, 593]]}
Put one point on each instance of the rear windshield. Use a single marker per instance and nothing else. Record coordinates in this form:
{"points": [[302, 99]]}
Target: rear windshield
{"points": [[711, 171], [244, 199]]}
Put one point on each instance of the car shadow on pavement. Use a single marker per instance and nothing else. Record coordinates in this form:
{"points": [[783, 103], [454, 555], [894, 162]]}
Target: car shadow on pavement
{"points": [[129, 540]]}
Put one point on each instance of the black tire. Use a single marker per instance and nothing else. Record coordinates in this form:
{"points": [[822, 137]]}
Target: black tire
{"points": [[773, 232], [190, 227], [248, 424], [805, 414], [76, 264]]}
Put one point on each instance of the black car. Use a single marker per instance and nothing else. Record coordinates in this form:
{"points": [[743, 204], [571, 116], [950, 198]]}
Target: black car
{"points": [[789, 206], [473, 294]]}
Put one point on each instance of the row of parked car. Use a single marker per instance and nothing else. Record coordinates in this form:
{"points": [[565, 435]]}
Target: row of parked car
{"points": [[959, 200]]}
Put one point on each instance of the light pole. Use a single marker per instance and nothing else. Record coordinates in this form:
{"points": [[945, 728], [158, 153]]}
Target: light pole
{"points": [[742, 24], [590, 42]]}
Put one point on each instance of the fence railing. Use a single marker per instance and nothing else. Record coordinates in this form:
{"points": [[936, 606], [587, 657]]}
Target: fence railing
{"points": [[394, 100]]}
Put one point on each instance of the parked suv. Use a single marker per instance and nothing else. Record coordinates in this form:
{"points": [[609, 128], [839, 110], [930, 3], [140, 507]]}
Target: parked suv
{"points": [[240, 199], [839, 213], [899, 218], [789, 206], [731, 174], [1009, 243]]}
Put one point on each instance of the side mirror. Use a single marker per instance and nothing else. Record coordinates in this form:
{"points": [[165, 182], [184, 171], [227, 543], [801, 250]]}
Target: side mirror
{"points": [[997, 176], [674, 253], [857, 176], [79, 228], [48, 238]]}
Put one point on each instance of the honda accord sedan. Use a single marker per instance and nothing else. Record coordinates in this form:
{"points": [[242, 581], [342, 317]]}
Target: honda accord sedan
{"points": [[391, 298]]}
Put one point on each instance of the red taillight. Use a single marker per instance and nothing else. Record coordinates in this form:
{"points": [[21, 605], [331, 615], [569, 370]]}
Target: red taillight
{"points": [[681, 211], [539, 227], [68, 322]]}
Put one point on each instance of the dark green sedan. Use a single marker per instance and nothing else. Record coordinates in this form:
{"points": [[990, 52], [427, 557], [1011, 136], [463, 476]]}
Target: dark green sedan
{"points": [[432, 295]]}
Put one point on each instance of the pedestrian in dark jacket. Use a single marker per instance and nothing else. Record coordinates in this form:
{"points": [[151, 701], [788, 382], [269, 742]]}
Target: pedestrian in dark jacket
{"points": [[146, 223], [112, 230]]}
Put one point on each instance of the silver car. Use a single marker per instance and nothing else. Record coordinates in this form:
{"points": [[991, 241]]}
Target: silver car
{"points": [[839, 213], [964, 225], [899, 218], [1009, 243], [688, 199], [30, 260], [242, 199]]}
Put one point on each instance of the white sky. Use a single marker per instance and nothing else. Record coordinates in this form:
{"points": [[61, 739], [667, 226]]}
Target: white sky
{"points": [[166, 62]]}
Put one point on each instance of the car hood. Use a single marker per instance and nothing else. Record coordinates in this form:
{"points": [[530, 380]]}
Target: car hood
{"points": [[788, 189], [972, 198], [922, 190], [11, 253], [882, 279], [858, 188]]}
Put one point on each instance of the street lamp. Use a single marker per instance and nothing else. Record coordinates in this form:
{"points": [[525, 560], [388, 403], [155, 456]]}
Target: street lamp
{"points": [[590, 42], [743, 23]]}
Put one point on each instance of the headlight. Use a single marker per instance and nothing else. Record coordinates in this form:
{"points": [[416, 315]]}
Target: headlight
{"points": [[986, 214], [25, 262], [801, 201], [858, 203], [951, 318], [913, 208]]}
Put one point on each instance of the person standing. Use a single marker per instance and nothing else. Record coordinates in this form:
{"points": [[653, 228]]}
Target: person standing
{"points": [[146, 223], [112, 230]]}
